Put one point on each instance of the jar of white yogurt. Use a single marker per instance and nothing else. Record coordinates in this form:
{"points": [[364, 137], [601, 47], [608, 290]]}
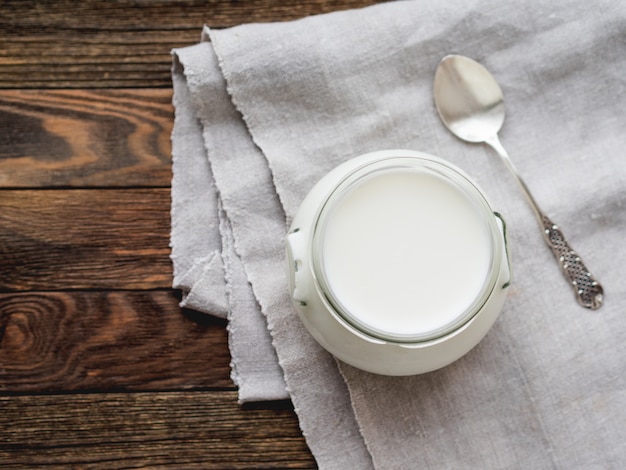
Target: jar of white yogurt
{"points": [[397, 263]]}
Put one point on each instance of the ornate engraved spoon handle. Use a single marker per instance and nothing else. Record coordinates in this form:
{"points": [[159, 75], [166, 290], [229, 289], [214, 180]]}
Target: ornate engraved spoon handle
{"points": [[588, 291]]}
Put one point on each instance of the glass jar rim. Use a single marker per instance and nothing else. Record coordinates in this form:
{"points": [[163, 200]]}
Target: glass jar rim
{"points": [[401, 163]]}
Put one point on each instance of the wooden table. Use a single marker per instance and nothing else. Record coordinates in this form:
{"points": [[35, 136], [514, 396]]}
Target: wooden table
{"points": [[99, 367]]}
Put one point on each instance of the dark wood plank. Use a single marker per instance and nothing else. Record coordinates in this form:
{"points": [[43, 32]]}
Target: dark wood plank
{"points": [[204, 430], [82, 138], [84, 239], [78, 341], [95, 44]]}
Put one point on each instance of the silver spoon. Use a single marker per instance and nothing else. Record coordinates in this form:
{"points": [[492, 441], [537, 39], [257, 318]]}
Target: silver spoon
{"points": [[471, 105]]}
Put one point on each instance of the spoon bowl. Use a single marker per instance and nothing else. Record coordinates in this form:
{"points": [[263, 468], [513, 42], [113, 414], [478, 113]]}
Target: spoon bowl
{"points": [[468, 99], [470, 103]]}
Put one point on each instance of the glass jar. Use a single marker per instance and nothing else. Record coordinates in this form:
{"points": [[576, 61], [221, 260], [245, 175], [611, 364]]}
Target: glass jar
{"points": [[397, 263]]}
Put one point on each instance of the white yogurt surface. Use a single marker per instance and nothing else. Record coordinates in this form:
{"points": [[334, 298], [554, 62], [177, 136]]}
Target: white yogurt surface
{"points": [[405, 252]]}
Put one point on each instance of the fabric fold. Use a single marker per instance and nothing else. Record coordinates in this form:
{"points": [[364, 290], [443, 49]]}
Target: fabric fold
{"points": [[257, 219], [195, 238], [214, 283]]}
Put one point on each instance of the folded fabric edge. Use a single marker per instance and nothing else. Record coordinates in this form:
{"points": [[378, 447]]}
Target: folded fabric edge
{"points": [[194, 238], [258, 376], [351, 445], [206, 36], [209, 281], [255, 368]]}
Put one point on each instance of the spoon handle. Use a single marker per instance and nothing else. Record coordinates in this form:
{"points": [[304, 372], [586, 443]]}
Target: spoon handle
{"points": [[588, 291]]}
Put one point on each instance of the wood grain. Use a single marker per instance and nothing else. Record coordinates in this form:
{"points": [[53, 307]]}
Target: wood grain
{"points": [[115, 340], [127, 43], [84, 239], [85, 138], [187, 430]]}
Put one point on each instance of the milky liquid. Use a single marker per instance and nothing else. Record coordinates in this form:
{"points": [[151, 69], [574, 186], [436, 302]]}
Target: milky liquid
{"points": [[405, 252]]}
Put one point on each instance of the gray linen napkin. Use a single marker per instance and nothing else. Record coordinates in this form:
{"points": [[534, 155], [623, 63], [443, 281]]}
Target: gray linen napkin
{"points": [[195, 237], [258, 225], [278, 105], [211, 274]]}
